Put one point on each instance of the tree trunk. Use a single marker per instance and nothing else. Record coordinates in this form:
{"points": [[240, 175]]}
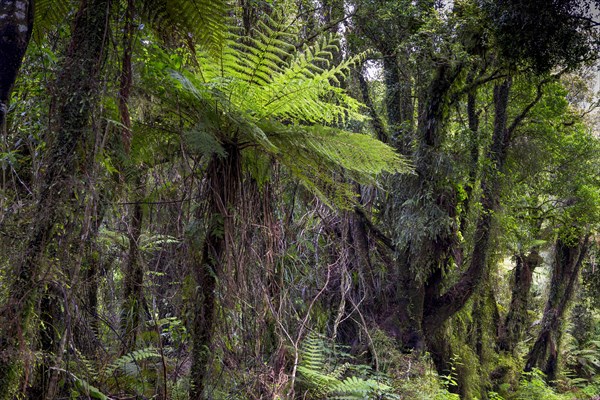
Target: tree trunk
{"points": [[398, 103], [516, 319], [422, 258], [209, 256], [16, 25], [440, 309], [75, 99], [49, 337], [133, 294], [568, 257], [376, 122]]}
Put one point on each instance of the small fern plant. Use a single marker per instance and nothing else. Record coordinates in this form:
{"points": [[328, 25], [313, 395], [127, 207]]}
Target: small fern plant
{"points": [[126, 366], [322, 379], [265, 97]]}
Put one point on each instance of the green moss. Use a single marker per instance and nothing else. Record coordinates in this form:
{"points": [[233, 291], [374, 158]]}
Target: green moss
{"points": [[505, 373]]}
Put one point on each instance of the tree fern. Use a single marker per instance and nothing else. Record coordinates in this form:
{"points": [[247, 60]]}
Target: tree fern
{"points": [[262, 92]]}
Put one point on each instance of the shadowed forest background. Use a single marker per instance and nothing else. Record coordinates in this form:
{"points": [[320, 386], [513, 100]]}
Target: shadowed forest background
{"points": [[359, 199]]}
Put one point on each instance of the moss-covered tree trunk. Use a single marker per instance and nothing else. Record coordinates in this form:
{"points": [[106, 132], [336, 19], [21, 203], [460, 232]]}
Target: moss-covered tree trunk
{"points": [[75, 99], [568, 257], [424, 241], [516, 319]]}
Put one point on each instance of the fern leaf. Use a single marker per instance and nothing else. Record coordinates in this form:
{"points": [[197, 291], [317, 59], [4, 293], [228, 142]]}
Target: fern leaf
{"points": [[203, 20], [48, 14], [129, 360]]}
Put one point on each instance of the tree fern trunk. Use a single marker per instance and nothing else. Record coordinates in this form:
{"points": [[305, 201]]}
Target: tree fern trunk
{"points": [[208, 257]]}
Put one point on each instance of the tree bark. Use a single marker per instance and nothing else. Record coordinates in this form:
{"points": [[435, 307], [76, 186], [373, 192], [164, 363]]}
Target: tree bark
{"points": [[16, 25], [439, 309], [421, 259], [516, 319], [76, 97], [568, 257], [133, 295]]}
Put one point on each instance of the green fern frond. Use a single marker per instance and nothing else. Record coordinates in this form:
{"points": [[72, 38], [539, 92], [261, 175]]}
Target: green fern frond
{"points": [[325, 381], [265, 53], [205, 21], [155, 241], [109, 237], [313, 353], [89, 367], [128, 362], [353, 388], [323, 157], [356, 153], [48, 14]]}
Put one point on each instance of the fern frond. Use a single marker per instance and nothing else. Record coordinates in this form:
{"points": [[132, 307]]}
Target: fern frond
{"points": [[109, 237], [203, 20], [153, 242], [264, 54], [359, 154], [353, 388], [321, 157], [89, 367], [128, 362], [48, 14]]}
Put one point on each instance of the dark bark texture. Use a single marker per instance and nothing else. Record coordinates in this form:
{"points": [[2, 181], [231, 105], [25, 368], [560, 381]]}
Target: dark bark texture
{"points": [[133, 293], [516, 319], [16, 25], [568, 257], [439, 309]]}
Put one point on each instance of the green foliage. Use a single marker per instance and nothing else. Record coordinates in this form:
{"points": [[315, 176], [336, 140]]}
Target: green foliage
{"points": [[84, 388], [202, 20], [48, 14], [125, 372], [587, 359], [147, 242], [517, 27], [321, 378], [128, 363], [533, 386]]}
